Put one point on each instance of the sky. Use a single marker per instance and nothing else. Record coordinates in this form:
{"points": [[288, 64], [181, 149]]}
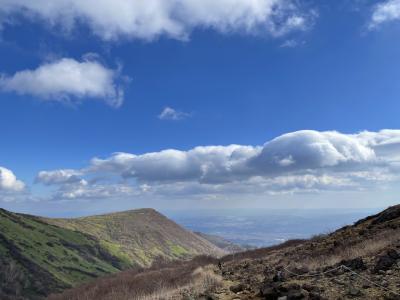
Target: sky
{"points": [[186, 104]]}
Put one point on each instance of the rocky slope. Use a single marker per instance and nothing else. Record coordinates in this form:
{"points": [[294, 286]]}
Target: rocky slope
{"points": [[355, 262], [141, 236]]}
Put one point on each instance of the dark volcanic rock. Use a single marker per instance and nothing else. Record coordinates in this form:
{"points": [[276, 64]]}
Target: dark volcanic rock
{"points": [[270, 292], [392, 253], [387, 215], [297, 294], [237, 288], [354, 264], [384, 263]]}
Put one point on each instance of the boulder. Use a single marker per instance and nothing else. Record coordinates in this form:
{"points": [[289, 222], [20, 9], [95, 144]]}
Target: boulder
{"points": [[385, 262], [354, 264]]}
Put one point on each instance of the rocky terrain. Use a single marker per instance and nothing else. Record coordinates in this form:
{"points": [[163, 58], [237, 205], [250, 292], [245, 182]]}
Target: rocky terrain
{"points": [[355, 262]]}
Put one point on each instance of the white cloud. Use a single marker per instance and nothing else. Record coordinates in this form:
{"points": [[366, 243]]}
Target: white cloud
{"points": [[149, 19], [302, 161], [58, 177], [169, 113], [385, 12], [67, 80], [84, 190], [312, 150], [9, 182]]}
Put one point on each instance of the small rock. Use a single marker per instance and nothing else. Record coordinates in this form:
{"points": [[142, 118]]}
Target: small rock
{"points": [[269, 293], [315, 296], [352, 291], [284, 288], [297, 294], [237, 288], [392, 253], [282, 298]]}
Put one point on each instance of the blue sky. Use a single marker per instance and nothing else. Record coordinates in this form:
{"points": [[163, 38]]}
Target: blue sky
{"points": [[242, 78]]}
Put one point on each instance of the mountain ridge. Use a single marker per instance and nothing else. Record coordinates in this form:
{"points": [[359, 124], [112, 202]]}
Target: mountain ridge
{"points": [[39, 255], [142, 235]]}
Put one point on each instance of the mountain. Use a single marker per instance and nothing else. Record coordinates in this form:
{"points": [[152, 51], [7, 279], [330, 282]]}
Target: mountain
{"points": [[39, 256], [361, 261], [141, 236]]}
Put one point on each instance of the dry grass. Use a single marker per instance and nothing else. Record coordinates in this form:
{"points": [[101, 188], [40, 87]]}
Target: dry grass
{"points": [[161, 279], [365, 248]]}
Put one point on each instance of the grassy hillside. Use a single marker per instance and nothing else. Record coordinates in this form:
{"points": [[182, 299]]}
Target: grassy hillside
{"points": [[141, 236], [37, 258]]}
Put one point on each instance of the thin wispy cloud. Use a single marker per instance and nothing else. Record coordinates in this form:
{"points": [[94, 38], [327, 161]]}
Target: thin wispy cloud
{"points": [[292, 43], [168, 113]]}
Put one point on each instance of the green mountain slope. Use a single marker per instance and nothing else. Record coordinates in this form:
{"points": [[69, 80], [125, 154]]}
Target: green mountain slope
{"points": [[141, 236], [37, 258]]}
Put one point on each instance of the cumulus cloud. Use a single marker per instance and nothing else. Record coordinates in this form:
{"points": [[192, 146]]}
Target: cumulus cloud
{"points": [[294, 162], [385, 12], [309, 149], [149, 19], [9, 182], [67, 80], [169, 113]]}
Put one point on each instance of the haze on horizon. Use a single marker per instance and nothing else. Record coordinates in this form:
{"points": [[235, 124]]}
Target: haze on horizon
{"points": [[187, 105]]}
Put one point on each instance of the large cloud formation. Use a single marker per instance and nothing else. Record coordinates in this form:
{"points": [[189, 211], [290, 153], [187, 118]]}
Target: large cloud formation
{"points": [[148, 19], [9, 182], [298, 161], [65, 80]]}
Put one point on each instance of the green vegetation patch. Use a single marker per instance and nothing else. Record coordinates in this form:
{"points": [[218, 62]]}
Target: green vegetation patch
{"points": [[66, 257]]}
